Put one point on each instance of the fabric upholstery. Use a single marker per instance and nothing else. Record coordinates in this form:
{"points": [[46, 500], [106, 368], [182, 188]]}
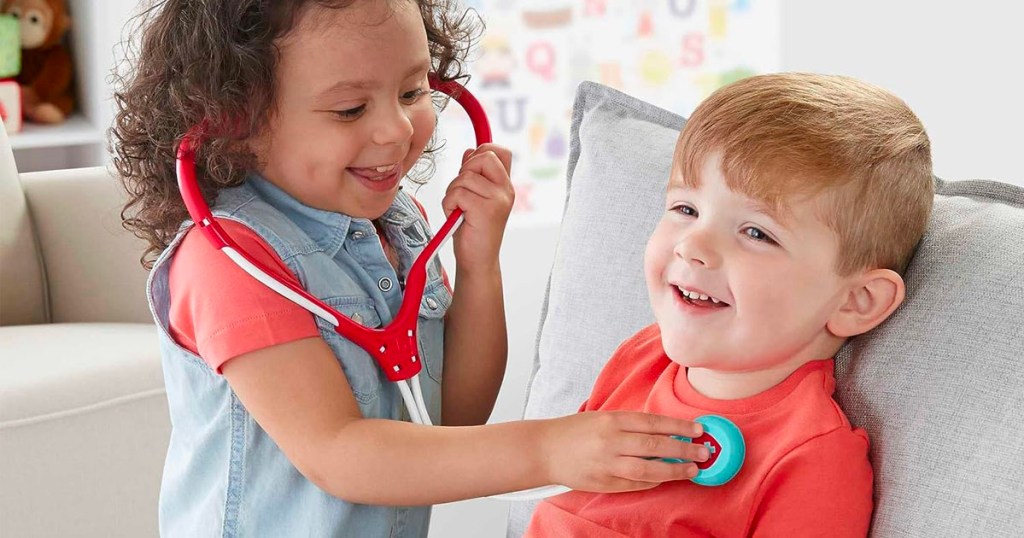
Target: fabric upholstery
{"points": [[939, 387], [92, 264], [83, 429], [22, 293]]}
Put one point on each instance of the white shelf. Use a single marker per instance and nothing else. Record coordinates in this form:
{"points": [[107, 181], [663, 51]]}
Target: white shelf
{"points": [[76, 131]]}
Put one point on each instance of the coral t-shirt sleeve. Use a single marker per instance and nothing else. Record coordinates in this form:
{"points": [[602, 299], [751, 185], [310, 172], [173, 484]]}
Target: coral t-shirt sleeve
{"points": [[218, 311], [821, 488]]}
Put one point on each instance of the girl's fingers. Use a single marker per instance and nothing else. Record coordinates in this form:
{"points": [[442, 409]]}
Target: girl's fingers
{"points": [[504, 155], [468, 195], [658, 424], [661, 446], [656, 471], [476, 184], [448, 204], [489, 165]]}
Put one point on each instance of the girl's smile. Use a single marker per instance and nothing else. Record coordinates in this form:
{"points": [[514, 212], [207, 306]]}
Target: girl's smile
{"points": [[349, 119], [377, 178]]}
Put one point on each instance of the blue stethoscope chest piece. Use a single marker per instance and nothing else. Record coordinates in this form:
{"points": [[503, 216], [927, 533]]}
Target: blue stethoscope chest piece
{"points": [[725, 446]]}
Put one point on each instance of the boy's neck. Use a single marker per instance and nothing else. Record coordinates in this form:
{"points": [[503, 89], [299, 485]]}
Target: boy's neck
{"points": [[723, 385], [728, 385]]}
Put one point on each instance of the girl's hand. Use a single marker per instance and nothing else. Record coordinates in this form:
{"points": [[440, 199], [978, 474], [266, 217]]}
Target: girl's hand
{"points": [[484, 191], [606, 451]]}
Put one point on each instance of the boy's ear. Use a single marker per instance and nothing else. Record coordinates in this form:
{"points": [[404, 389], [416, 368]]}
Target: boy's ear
{"points": [[870, 299]]}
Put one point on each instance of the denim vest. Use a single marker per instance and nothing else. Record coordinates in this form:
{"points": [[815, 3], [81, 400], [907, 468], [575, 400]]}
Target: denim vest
{"points": [[224, 476]]}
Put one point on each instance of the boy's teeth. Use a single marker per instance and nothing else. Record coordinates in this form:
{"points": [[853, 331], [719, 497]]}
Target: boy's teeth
{"points": [[695, 296], [384, 168]]}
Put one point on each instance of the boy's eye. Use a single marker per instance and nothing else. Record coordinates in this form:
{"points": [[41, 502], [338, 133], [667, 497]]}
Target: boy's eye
{"points": [[685, 210], [413, 95], [351, 113], [758, 235]]}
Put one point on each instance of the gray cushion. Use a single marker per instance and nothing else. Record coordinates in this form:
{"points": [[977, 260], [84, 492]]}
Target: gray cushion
{"points": [[939, 387]]}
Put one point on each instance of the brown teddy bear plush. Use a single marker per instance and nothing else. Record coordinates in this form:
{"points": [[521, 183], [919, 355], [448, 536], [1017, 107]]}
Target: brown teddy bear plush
{"points": [[46, 69]]}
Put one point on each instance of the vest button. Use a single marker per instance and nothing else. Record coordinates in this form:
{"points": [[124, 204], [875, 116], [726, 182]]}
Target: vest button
{"points": [[431, 303], [385, 284], [358, 234]]}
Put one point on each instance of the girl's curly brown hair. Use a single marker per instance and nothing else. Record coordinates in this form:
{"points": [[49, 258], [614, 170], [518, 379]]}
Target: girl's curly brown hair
{"points": [[213, 61]]}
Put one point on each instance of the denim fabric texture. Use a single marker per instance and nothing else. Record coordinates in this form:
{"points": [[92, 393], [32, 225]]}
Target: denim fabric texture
{"points": [[224, 476]]}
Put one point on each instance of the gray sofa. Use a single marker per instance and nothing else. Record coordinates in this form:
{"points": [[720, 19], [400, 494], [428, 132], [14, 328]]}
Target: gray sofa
{"points": [[83, 417], [83, 413], [939, 387]]}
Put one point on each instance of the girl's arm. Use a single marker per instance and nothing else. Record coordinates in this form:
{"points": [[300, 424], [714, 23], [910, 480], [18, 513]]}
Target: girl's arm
{"points": [[298, 393], [475, 347], [475, 340]]}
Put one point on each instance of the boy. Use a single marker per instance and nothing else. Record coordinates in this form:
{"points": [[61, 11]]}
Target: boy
{"points": [[794, 205]]}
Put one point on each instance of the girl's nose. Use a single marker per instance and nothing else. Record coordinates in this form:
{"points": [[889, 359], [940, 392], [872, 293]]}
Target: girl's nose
{"points": [[393, 126], [698, 248]]}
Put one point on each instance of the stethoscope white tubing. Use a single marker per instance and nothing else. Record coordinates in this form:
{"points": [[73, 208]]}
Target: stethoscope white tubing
{"points": [[417, 396], [277, 286], [410, 402], [534, 494], [413, 397], [274, 284]]}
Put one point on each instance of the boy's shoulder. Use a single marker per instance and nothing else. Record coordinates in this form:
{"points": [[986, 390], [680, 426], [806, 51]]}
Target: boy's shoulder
{"points": [[645, 341], [638, 352], [638, 361]]}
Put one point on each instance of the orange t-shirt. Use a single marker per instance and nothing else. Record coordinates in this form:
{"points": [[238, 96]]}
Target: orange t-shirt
{"points": [[806, 471], [218, 311]]}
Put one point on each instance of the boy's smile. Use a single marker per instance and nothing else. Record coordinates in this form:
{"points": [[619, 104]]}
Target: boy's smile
{"points": [[691, 297], [736, 289]]}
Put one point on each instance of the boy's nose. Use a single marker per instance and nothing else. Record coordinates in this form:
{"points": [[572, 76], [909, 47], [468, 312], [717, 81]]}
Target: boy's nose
{"points": [[698, 249], [392, 127]]}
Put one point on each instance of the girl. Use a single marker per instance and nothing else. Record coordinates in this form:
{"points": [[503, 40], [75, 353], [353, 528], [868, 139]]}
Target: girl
{"points": [[315, 110]]}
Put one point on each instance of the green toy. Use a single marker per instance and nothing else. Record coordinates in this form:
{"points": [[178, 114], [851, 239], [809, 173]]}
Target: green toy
{"points": [[10, 47]]}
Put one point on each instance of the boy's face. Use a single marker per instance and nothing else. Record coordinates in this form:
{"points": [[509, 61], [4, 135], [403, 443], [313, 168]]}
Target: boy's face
{"points": [[760, 290], [353, 108]]}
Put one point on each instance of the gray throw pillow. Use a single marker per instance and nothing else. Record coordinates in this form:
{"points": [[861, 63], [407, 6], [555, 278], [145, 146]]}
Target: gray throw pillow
{"points": [[939, 387]]}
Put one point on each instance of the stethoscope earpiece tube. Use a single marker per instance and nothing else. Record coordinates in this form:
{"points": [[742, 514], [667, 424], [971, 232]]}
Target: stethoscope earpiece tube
{"points": [[394, 346]]}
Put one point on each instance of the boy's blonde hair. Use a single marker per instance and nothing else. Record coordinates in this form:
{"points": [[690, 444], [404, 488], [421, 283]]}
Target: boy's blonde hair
{"points": [[804, 134]]}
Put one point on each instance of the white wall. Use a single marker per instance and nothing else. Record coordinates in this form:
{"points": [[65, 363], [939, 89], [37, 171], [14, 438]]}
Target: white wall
{"points": [[96, 29], [953, 64]]}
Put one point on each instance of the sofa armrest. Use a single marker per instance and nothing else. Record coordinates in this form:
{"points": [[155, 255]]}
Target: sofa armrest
{"points": [[91, 263], [84, 429], [22, 292]]}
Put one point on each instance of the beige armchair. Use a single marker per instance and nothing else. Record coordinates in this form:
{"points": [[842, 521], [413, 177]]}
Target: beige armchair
{"points": [[83, 414]]}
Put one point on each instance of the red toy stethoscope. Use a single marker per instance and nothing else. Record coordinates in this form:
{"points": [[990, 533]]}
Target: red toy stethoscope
{"points": [[394, 347]]}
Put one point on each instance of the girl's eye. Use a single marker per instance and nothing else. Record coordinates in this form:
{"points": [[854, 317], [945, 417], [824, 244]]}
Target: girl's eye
{"points": [[685, 210], [758, 235], [414, 95], [351, 113]]}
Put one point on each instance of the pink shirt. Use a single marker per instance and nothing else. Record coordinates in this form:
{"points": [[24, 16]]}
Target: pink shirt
{"points": [[220, 312], [806, 471]]}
